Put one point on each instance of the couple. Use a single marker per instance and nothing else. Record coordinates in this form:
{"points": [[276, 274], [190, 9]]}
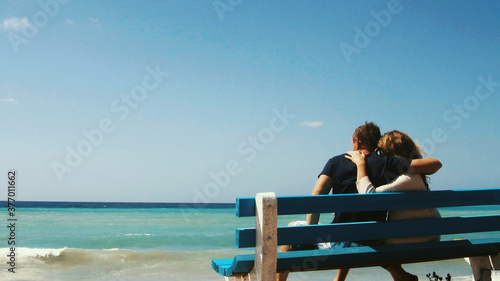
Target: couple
{"points": [[398, 167]]}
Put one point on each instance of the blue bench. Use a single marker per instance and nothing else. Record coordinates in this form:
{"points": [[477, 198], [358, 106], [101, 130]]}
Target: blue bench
{"points": [[267, 236]]}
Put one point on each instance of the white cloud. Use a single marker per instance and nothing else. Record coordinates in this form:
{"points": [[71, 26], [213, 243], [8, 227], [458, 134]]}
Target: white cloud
{"points": [[94, 20], [68, 21], [15, 24], [8, 100], [312, 124]]}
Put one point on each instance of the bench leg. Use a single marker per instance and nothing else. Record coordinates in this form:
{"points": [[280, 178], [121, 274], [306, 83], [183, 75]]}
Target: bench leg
{"points": [[266, 240], [245, 277]]}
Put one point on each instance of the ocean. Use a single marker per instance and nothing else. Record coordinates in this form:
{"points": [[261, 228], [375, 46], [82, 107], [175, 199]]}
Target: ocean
{"points": [[148, 242]]}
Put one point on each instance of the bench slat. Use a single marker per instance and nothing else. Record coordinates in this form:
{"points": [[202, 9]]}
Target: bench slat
{"points": [[364, 256], [291, 235], [290, 205], [386, 254], [236, 265], [223, 266]]}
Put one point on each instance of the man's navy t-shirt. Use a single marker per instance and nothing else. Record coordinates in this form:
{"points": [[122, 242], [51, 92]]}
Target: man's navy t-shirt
{"points": [[380, 169]]}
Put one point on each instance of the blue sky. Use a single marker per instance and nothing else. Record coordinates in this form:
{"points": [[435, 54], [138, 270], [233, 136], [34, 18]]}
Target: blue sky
{"points": [[205, 101]]}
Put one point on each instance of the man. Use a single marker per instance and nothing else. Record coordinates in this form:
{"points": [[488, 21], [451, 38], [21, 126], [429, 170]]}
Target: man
{"points": [[339, 176]]}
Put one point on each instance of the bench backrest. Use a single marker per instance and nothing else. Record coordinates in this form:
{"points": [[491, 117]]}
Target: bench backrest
{"points": [[374, 202]]}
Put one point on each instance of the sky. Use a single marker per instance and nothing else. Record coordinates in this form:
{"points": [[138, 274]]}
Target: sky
{"points": [[206, 101]]}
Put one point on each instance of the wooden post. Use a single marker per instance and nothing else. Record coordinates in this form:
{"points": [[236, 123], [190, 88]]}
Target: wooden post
{"points": [[244, 277], [266, 238]]}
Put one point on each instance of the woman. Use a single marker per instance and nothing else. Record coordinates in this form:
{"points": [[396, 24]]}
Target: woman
{"points": [[397, 144]]}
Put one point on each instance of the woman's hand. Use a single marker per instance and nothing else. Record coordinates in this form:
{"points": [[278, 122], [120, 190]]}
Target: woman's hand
{"points": [[357, 157]]}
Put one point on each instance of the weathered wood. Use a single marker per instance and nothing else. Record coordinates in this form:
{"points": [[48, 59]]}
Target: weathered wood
{"points": [[240, 277], [266, 236]]}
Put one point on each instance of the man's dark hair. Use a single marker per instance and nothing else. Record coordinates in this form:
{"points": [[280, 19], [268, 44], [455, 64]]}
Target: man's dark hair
{"points": [[368, 135]]}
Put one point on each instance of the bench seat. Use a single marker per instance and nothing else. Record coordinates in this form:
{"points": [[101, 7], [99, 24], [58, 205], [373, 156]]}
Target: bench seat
{"points": [[364, 256]]}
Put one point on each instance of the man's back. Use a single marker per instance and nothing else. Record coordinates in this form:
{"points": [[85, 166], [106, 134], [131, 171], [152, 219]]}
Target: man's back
{"points": [[380, 170]]}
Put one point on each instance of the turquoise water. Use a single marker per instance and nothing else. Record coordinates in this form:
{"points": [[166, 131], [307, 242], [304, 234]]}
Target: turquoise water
{"points": [[152, 244], [146, 229]]}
